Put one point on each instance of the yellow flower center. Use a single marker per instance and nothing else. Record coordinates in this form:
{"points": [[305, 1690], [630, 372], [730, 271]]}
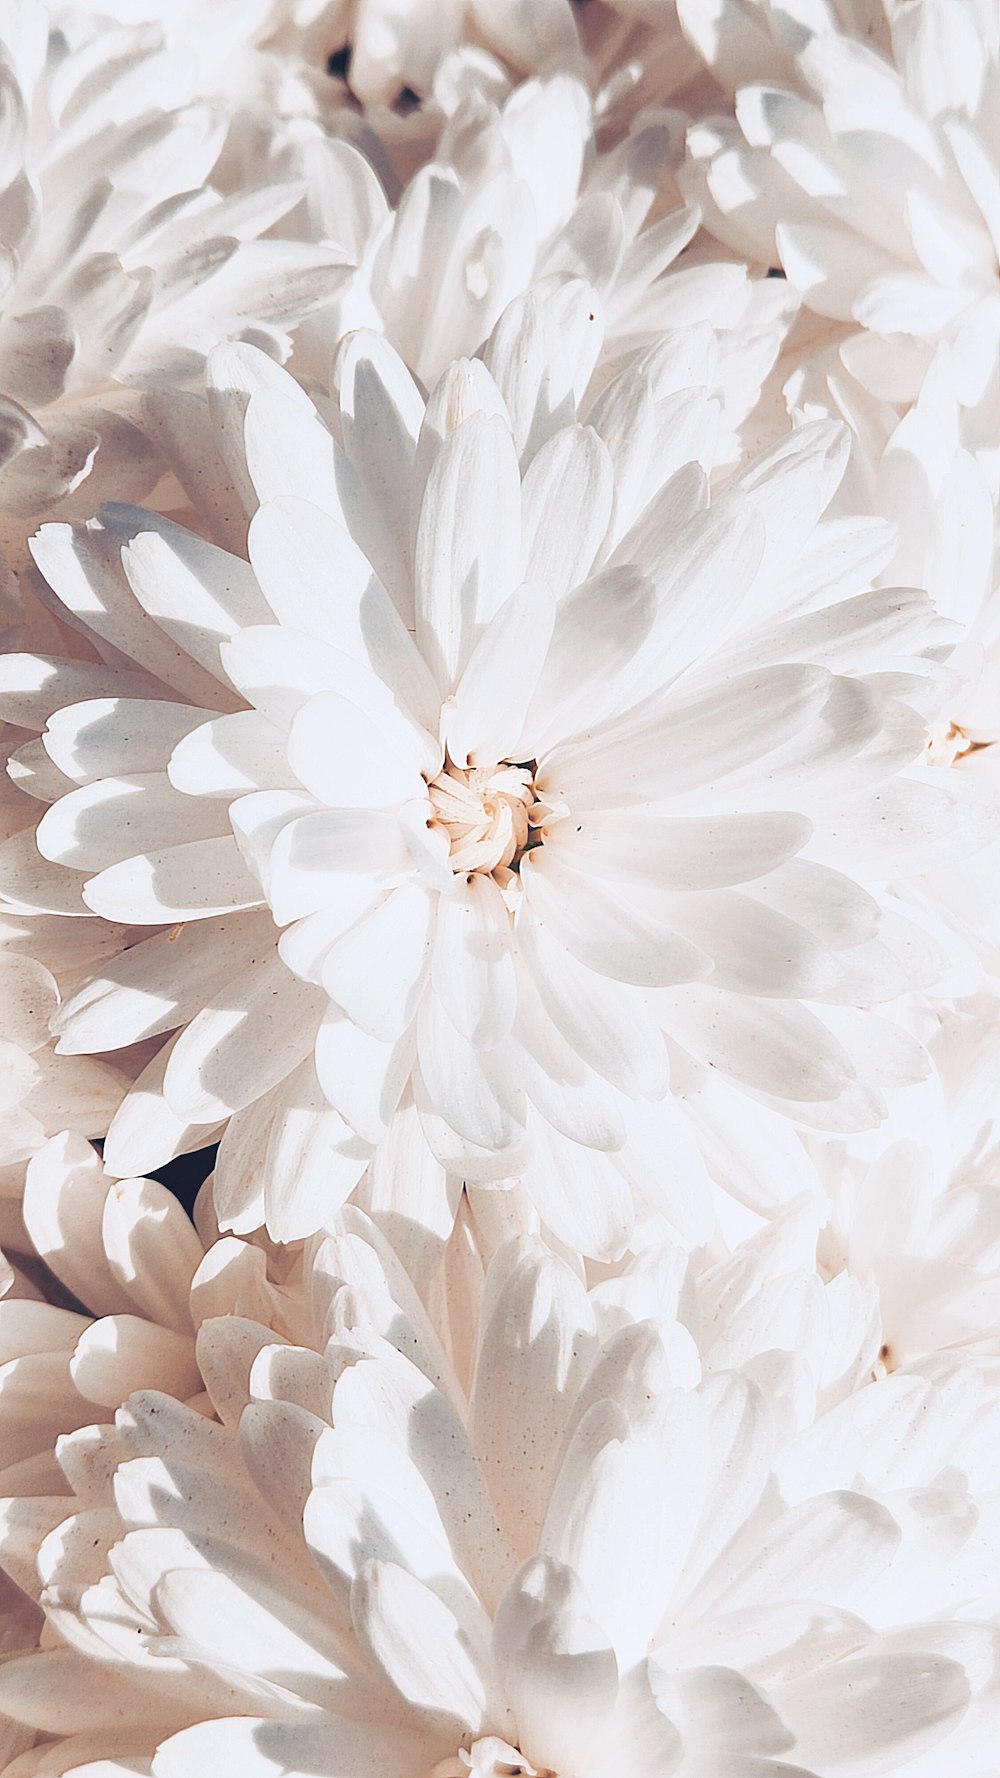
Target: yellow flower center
{"points": [[490, 814], [949, 743], [489, 1757]]}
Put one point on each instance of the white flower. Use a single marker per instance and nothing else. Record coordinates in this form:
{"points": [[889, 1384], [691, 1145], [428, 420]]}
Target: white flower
{"points": [[391, 45], [555, 826], [919, 473], [914, 1210], [38, 1094], [122, 263], [869, 171], [514, 192], [607, 1554], [118, 1257]]}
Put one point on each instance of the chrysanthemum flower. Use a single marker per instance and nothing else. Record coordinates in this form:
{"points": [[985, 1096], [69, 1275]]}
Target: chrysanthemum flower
{"points": [[122, 264], [118, 1257], [108, 1285], [869, 171], [560, 784], [391, 45], [918, 1219], [38, 1095], [920, 473], [516, 191], [615, 1551]]}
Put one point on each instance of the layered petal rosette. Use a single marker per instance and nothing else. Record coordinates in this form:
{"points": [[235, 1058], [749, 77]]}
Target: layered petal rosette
{"points": [[610, 1542], [516, 191], [864, 160], [539, 790], [122, 263]]}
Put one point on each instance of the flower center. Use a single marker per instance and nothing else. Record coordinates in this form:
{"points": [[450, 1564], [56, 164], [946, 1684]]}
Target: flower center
{"points": [[948, 744], [490, 815], [489, 1758]]}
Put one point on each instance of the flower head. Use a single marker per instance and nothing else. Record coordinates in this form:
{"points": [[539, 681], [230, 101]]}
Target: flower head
{"points": [[831, 126], [122, 263], [521, 790], [611, 1547]]}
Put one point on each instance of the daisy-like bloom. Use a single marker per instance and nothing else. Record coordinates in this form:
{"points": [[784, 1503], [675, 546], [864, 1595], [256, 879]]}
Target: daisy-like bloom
{"points": [[918, 1219], [122, 264], [105, 1287], [388, 47], [626, 1545], [116, 1259], [867, 164], [919, 473], [515, 192], [560, 781], [39, 1093]]}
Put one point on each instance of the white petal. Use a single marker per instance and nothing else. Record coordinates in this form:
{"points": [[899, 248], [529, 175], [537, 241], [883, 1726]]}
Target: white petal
{"points": [[484, 717], [579, 1193], [288, 1159], [467, 543], [187, 882], [604, 929], [313, 574], [473, 969], [567, 1092], [237, 1618], [376, 971], [121, 1353], [627, 1501], [336, 861], [536, 1326], [469, 1087], [265, 1748], [707, 852], [30, 884], [318, 581], [773, 1046], [531, 356], [198, 594], [599, 627], [288, 448], [606, 1022], [362, 1077], [556, 1666], [255, 1031], [381, 411], [95, 739], [689, 743], [83, 565], [407, 1192], [754, 949], [144, 1132], [229, 755], [152, 1249], [117, 818], [33, 687], [352, 760], [702, 572], [571, 475], [29, 997], [157, 984], [279, 669], [65, 1192], [875, 1710], [415, 1640]]}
